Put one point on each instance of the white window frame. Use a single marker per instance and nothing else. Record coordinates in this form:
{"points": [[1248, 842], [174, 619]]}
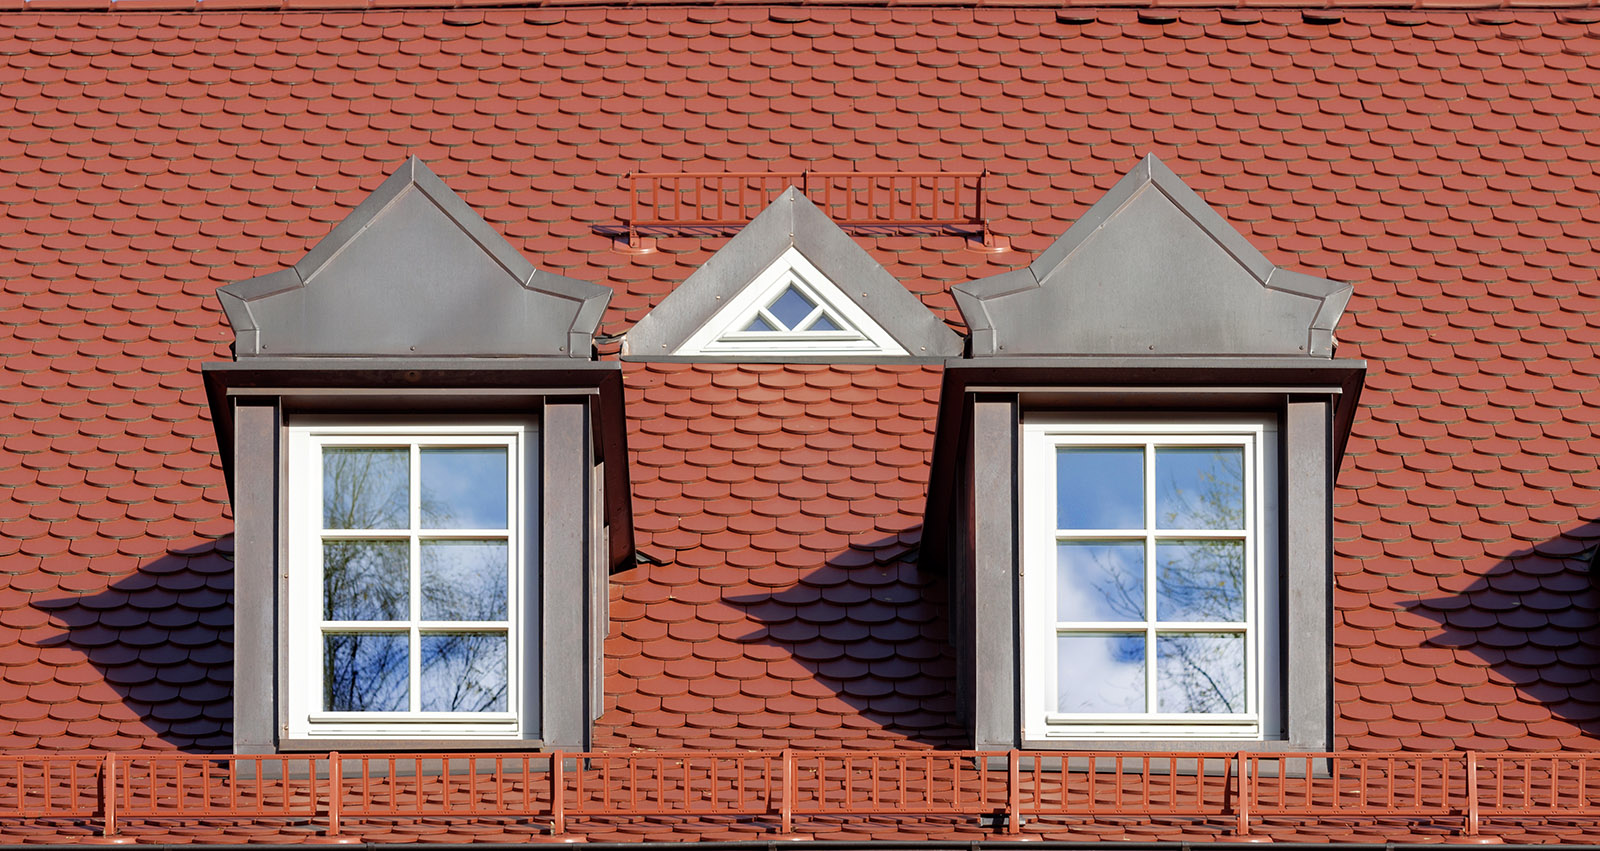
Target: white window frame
{"points": [[1042, 434], [304, 582], [724, 334]]}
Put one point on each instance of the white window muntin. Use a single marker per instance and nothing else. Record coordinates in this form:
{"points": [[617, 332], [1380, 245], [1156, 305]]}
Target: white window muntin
{"points": [[307, 628], [1042, 436]]}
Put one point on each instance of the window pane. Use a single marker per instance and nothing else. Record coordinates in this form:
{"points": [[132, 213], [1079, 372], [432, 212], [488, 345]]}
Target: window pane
{"points": [[366, 580], [463, 672], [1200, 580], [365, 672], [791, 308], [464, 580], [823, 323], [464, 488], [1200, 673], [1200, 487], [1100, 581], [1100, 673], [366, 488], [760, 325], [1100, 488]]}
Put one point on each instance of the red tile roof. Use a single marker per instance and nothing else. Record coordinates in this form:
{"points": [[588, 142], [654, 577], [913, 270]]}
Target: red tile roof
{"points": [[1442, 162]]}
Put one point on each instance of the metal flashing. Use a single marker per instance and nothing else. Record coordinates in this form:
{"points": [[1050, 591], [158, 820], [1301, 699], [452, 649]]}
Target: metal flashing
{"points": [[413, 271], [464, 385], [895, 325], [1151, 269]]}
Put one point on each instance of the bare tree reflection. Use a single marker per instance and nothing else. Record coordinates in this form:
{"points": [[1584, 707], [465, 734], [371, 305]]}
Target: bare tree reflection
{"points": [[365, 672], [463, 672], [368, 489], [1197, 580], [1202, 580]]}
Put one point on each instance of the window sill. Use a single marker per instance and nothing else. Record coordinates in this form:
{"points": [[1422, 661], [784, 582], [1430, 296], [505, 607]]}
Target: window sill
{"points": [[320, 745], [1171, 745]]}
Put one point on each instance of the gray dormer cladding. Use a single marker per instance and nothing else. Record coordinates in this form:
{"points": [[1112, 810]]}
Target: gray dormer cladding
{"points": [[791, 220], [413, 272], [1150, 269]]}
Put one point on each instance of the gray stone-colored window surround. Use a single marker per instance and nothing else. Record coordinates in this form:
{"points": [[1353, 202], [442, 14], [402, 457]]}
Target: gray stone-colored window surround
{"points": [[1150, 305], [413, 307], [974, 497], [584, 528]]}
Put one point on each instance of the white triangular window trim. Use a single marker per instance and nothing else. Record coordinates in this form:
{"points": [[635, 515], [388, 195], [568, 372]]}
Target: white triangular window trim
{"points": [[765, 319]]}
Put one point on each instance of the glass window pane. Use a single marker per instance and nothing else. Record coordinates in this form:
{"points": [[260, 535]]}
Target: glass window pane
{"points": [[1200, 673], [1100, 673], [1200, 487], [464, 672], [1100, 581], [791, 308], [1200, 580], [365, 488], [366, 580], [823, 323], [760, 326], [464, 580], [1100, 487], [365, 672], [464, 488]]}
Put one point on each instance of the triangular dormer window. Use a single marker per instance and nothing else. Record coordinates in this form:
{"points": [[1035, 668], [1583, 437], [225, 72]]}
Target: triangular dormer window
{"points": [[791, 308], [791, 287]]}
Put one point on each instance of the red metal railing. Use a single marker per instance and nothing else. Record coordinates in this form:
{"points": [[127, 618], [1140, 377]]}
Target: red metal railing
{"points": [[782, 787], [901, 198]]}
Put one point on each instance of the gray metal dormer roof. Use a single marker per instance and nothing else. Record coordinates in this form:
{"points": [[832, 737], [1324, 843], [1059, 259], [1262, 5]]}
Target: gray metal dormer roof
{"points": [[413, 272], [1150, 269], [791, 221]]}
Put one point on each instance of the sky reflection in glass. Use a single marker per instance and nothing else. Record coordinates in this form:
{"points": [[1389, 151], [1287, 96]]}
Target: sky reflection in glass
{"points": [[1200, 487], [1100, 581], [463, 672], [464, 580], [1200, 673], [366, 488], [791, 308], [1200, 580], [366, 672], [1100, 673], [1100, 487], [823, 323], [464, 488]]}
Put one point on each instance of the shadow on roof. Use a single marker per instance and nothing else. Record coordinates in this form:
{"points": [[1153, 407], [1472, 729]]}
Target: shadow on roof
{"points": [[162, 640], [871, 628], [1533, 622]]}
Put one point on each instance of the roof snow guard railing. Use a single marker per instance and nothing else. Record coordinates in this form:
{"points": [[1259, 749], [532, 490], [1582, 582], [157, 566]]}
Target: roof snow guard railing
{"points": [[781, 789], [876, 203]]}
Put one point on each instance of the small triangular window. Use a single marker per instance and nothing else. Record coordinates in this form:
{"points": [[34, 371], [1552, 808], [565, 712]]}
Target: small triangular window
{"points": [[791, 308], [793, 311]]}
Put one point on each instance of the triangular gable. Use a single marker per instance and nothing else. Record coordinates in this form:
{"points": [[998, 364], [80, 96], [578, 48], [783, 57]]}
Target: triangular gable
{"points": [[1150, 269], [791, 308], [413, 272], [791, 287]]}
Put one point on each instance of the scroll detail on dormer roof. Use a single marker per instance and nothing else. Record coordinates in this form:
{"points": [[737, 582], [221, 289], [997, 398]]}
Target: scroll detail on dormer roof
{"points": [[791, 286], [1150, 269], [413, 272]]}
